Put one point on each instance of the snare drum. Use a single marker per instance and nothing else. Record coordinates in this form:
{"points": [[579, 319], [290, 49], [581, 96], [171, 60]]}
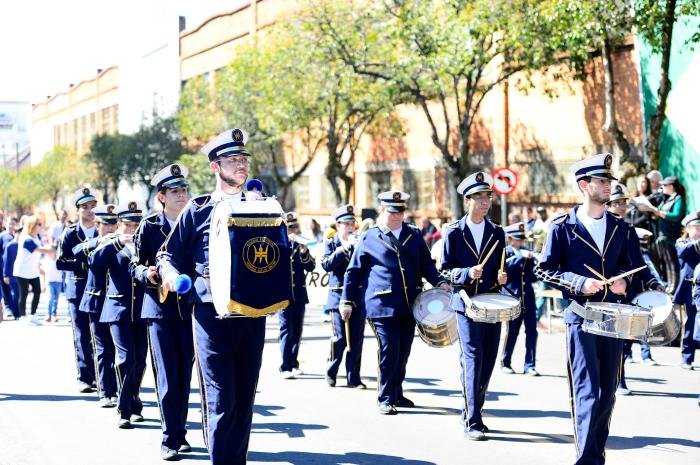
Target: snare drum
{"points": [[665, 324], [617, 320], [493, 308], [435, 319]]}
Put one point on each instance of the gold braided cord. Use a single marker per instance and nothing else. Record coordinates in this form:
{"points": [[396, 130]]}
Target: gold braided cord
{"points": [[237, 307], [254, 222]]}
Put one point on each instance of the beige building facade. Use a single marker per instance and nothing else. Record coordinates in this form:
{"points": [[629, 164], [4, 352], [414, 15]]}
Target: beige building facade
{"points": [[73, 117]]}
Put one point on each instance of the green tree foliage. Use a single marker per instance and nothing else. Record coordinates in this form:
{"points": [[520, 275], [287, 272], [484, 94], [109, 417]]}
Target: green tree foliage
{"points": [[199, 177], [58, 174], [151, 148], [109, 154], [443, 55]]}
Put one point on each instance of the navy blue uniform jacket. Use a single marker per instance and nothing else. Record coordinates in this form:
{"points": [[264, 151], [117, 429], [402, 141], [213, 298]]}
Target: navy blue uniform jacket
{"points": [[393, 272], [570, 247]]}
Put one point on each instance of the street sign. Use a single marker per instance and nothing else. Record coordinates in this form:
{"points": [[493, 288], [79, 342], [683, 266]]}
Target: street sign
{"points": [[504, 181]]}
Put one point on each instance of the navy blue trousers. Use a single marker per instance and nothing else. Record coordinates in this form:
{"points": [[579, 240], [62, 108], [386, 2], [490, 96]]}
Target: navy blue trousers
{"points": [[291, 326], [172, 357], [478, 345], [395, 337], [82, 342], [593, 372], [103, 348], [353, 359], [627, 353], [529, 317], [10, 295], [131, 342], [689, 344], [229, 354]]}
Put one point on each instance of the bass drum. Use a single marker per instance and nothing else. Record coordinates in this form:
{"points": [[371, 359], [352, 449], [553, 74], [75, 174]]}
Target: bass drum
{"points": [[435, 319], [665, 324]]}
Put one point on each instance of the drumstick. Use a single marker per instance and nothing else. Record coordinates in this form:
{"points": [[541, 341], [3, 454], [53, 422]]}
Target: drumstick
{"points": [[503, 259], [488, 255], [592, 270], [347, 333], [625, 274]]}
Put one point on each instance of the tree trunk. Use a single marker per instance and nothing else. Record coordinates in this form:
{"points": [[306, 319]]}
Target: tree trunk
{"points": [[610, 123], [456, 199], [657, 120]]}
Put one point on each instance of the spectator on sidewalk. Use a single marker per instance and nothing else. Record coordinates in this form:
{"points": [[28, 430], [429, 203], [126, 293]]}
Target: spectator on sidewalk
{"points": [[26, 268], [427, 229], [669, 214], [8, 277], [5, 238], [54, 281], [57, 228]]}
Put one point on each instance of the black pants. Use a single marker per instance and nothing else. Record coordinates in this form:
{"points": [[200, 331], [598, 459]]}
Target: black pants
{"points": [[24, 291], [670, 266]]}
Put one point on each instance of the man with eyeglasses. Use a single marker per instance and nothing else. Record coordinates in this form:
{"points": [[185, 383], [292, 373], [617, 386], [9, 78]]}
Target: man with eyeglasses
{"points": [[385, 275], [336, 258], [228, 350], [76, 275], [471, 259]]}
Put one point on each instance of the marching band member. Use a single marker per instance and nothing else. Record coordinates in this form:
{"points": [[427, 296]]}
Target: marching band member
{"points": [[291, 319], [386, 270], [520, 266], [688, 256], [471, 255], [696, 302], [642, 281], [582, 246], [123, 298], [170, 321], [228, 350], [336, 258], [76, 273], [103, 344]]}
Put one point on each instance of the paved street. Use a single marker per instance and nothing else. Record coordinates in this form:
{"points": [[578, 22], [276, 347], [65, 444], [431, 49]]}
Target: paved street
{"points": [[44, 420]]}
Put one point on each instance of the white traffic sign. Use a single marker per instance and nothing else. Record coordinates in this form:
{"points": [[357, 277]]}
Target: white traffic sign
{"points": [[504, 181]]}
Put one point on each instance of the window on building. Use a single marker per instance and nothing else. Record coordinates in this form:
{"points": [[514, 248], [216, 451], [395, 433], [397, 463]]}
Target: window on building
{"points": [[93, 125], [379, 181], [300, 188], [57, 135], [424, 192], [115, 118], [327, 195], [106, 121]]}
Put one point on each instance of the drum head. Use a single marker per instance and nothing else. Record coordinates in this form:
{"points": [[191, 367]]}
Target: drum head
{"points": [[432, 307], [494, 301], [659, 303]]}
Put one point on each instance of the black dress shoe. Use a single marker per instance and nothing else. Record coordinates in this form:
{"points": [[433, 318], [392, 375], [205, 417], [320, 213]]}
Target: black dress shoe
{"points": [[168, 454], [362, 386], [137, 418], [124, 423], [330, 380], [184, 448], [387, 409], [405, 402], [474, 435]]}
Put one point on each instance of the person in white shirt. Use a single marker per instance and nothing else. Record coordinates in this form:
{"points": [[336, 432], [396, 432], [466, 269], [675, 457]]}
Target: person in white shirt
{"points": [[26, 268], [54, 280]]}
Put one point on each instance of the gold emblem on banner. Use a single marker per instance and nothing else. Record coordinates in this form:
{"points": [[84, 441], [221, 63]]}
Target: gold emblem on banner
{"points": [[260, 255]]}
